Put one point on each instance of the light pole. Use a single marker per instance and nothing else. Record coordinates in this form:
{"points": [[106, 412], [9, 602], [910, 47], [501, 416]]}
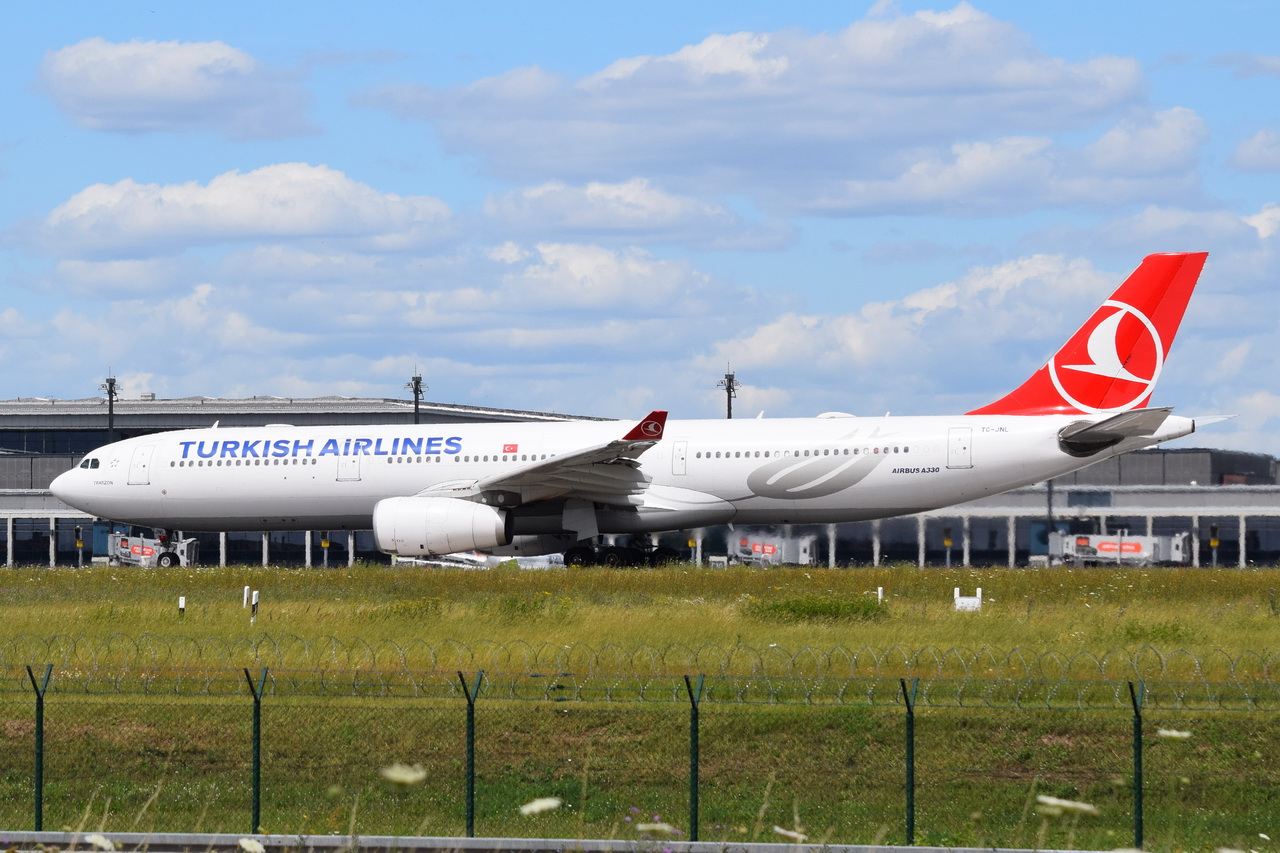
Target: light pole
{"points": [[730, 386], [110, 387], [415, 383]]}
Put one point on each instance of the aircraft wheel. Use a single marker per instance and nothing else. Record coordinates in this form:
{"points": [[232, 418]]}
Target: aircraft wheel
{"points": [[612, 557], [660, 556], [579, 557]]}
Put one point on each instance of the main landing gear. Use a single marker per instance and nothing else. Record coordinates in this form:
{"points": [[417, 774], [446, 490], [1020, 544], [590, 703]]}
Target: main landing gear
{"points": [[640, 553]]}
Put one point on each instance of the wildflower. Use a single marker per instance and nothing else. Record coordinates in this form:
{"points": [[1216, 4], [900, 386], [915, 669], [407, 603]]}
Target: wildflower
{"points": [[1054, 806], [252, 845], [404, 775], [1173, 734], [797, 837], [664, 828], [539, 805], [100, 841]]}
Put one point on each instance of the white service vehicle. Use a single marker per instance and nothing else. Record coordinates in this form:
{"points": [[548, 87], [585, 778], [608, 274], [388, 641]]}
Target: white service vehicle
{"points": [[1120, 548], [125, 549]]}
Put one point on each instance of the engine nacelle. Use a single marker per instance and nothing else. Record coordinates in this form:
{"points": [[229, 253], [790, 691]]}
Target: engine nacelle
{"points": [[418, 526]]}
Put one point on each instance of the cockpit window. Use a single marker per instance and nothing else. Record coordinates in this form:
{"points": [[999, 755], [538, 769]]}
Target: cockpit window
{"points": [[89, 463]]}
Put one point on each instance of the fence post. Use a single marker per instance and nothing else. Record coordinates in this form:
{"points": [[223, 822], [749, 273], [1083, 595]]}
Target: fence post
{"points": [[1136, 697], [470, 693], [256, 690], [909, 699], [40, 688], [695, 696]]}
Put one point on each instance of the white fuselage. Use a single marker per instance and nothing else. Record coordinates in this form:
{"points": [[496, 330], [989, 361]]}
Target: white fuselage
{"points": [[829, 469]]}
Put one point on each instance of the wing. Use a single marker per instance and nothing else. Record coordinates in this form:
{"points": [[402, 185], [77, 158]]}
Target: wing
{"points": [[606, 473]]}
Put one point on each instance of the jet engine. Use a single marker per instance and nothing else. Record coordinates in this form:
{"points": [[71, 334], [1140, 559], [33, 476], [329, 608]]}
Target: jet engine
{"points": [[417, 526]]}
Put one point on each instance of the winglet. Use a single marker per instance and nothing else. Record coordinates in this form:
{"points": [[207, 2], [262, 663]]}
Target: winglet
{"points": [[650, 427], [1112, 363]]}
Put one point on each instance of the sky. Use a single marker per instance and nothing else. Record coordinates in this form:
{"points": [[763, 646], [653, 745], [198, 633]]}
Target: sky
{"points": [[598, 209]]}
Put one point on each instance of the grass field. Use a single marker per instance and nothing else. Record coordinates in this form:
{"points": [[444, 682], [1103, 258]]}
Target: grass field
{"points": [[835, 772], [1063, 610]]}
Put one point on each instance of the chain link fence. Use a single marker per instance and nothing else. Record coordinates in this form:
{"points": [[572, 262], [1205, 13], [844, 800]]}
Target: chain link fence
{"points": [[939, 761]]}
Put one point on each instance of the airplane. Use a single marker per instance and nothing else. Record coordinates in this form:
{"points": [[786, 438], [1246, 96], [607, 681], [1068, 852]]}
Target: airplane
{"points": [[522, 489]]}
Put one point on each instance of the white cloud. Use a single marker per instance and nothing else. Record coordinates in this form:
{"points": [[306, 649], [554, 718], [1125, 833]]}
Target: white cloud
{"points": [[632, 209], [1250, 64], [906, 350], [1266, 221], [120, 278], [1259, 153], [581, 276], [1139, 159], [286, 200], [1172, 229], [1154, 144], [776, 113], [982, 177], [740, 54], [163, 337], [147, 86], [14, 325]]}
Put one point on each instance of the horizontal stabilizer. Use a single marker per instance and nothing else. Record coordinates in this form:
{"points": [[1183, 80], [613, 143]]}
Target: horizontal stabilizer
{"points": [[1208, 420], [1084, 438]]}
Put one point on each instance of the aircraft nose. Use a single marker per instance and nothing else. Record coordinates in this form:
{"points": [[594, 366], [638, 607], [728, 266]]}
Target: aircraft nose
{"points": [[64, 487]]}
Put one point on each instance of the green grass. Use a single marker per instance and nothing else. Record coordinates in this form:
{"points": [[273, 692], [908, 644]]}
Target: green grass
{"points": [[1061, 610], [835, 771]]}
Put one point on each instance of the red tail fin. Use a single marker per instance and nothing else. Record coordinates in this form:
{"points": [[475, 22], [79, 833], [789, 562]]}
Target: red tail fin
{"points": [[1112, 363]]}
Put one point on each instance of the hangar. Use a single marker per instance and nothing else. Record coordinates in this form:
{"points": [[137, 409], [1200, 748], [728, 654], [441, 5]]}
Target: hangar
{"points": [[1199, 491]]}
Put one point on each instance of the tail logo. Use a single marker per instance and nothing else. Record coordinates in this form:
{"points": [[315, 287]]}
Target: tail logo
{"points": [[1130, 368], [652, 429]]}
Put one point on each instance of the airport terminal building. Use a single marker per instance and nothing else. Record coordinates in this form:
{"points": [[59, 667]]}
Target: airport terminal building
{"points": [[1224, 497]]}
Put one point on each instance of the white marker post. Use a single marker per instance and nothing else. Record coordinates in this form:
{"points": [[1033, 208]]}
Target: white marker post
{"points": [[246, 597], [254, 616], [182, 605]]}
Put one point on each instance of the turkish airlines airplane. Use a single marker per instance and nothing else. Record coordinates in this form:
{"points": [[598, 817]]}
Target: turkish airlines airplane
{"points": [[537, 488]]}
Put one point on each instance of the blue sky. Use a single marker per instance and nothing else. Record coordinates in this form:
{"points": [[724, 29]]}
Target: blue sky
{"points": [[593, 208]]}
